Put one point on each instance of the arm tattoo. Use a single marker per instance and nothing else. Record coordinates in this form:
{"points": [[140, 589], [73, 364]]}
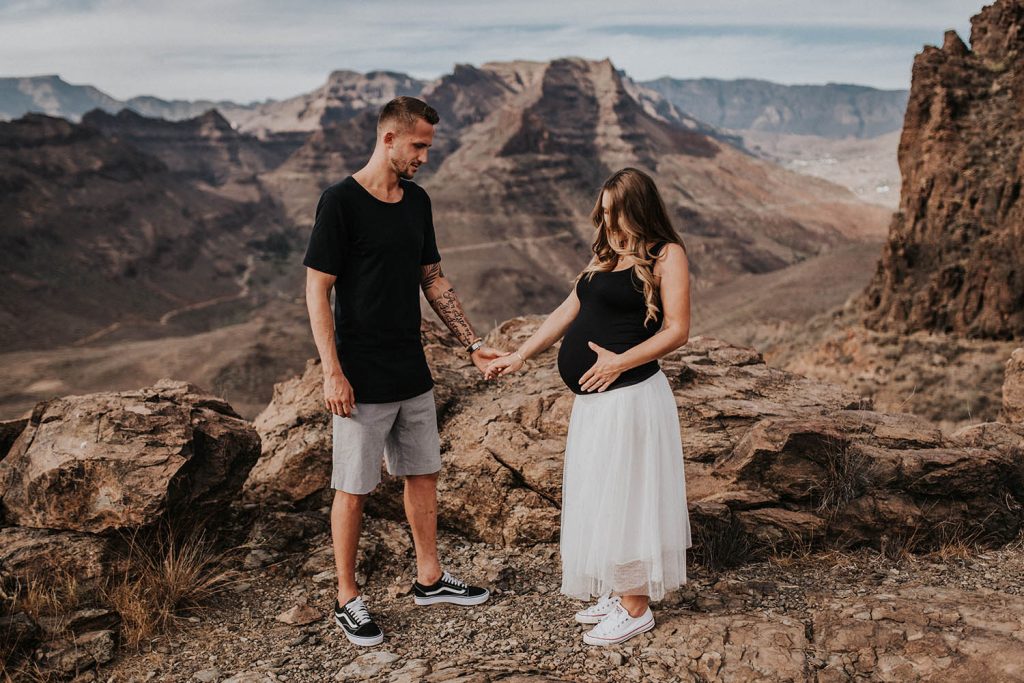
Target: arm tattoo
{"points": [[430, 275], [449, 309]]}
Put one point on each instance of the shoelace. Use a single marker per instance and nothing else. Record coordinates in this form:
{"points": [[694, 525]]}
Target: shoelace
{"points": [[618, 616], [449, 579], [358, 611], [605, 603]]}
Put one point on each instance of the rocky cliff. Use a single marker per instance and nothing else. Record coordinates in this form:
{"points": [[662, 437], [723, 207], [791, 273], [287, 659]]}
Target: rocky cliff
{"points": [[953, 259]]}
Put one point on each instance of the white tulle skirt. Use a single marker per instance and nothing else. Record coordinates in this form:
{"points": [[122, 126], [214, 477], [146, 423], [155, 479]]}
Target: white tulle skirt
{"points": [[625, 527]]}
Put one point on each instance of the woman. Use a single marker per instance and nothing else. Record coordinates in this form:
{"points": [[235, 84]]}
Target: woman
{"points": [[625, 528]]}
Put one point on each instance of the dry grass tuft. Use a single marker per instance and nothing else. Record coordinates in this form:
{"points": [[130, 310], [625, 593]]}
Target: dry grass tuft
{"points": [[166, 580], [849, 472], [958, 540], [51, 597], [901, 547], [722, 544]]}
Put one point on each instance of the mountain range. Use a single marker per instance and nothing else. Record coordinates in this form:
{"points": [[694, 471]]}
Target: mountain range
{"points": [[832, 110], [121, 228]]}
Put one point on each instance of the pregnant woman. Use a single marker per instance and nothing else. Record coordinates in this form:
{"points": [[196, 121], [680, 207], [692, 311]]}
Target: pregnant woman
{"points": [[625, 528]]}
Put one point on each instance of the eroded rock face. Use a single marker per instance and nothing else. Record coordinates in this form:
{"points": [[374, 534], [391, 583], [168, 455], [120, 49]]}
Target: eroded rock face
{"points": [[1013, 388], [952, 261], [771, 457], [28, 554], [906, 636], [106, 461], [10, 430]]}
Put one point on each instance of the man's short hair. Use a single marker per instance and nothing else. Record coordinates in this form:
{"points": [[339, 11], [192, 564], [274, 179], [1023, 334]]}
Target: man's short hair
{"points": [[404, 111]]}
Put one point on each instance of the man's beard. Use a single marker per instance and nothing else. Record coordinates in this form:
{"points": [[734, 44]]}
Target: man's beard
{"points": [[405, 171]]}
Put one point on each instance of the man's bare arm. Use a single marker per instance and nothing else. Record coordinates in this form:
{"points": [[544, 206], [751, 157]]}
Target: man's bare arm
{"points": [[338, 395], [442, 298]]}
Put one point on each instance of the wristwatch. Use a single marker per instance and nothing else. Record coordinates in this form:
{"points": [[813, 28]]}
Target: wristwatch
{"points": [[474, 346]]}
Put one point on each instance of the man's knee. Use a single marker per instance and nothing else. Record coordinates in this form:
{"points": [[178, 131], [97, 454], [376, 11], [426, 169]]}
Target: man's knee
{"points": [[421, 479], [349, 501]]}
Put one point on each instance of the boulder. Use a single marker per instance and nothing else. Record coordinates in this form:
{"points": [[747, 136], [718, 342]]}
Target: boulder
{"points": [[27, 553], [295, 433], [106, 461], [71, 657], [10, 430]]}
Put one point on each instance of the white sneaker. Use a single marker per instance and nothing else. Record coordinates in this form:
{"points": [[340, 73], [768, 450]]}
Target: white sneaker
{"points": [[597, 611], [619, 627]]}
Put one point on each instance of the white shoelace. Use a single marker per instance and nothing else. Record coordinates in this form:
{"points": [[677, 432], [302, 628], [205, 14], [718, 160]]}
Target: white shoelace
{"points": [[603, 604], [359, 611], [615, 619], [448, 578]]}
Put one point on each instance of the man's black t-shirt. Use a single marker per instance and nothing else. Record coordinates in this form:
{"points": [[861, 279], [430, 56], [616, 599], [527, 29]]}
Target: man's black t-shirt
{"points": [[377, 250]]}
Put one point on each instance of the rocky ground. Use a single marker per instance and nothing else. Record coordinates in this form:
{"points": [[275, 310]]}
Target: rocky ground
{"points": [[820, 617]]}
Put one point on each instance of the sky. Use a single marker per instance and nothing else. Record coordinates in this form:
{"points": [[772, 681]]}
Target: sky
{"points": [[246, 50]]}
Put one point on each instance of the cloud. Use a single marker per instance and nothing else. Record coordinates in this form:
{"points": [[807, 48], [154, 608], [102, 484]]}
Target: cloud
{"points": [[257, 48]]}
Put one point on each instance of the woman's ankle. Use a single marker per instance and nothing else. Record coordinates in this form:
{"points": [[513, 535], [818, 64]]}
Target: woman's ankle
{"points": [[636, 605]]}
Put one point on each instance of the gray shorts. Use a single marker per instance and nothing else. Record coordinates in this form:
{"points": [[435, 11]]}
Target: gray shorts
{"points": [[403, 432]]}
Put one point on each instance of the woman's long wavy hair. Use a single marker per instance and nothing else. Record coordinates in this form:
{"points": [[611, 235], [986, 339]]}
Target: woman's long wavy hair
{"points": [[639, 221]]}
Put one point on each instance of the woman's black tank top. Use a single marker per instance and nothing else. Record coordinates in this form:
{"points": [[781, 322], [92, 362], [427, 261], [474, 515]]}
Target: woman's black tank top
{"points": [[612, 312]]}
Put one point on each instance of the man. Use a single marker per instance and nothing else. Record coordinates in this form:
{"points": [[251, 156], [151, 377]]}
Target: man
{"points": [[373, 242]]}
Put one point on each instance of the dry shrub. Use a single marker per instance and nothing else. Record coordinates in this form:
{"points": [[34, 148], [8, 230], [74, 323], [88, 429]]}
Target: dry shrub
{"points": [[53, 596], [902, 546], [958, 540], [796, 549], [849, 472], [721, 544], [166, 579]]}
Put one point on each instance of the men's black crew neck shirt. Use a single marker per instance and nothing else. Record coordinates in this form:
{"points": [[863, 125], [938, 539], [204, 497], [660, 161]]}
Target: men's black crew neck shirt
{"points": [[377, 250]]}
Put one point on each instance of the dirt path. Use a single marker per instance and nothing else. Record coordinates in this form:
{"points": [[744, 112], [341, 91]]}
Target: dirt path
{"points": [[512, 241]]}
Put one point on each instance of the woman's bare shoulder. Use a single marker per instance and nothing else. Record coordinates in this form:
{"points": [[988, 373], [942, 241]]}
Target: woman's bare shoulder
{"points": [[672, 255]]}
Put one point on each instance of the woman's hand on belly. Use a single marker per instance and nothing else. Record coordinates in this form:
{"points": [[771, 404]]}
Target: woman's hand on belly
{"points": [[602, 373]]}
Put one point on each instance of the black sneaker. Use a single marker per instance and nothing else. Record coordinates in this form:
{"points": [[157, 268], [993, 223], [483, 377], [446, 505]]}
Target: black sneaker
{"points": [[449, 589], [357, 623]]}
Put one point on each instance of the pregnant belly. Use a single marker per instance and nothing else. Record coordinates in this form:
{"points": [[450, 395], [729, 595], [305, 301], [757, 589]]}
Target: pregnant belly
{"points": [[575, 357]]}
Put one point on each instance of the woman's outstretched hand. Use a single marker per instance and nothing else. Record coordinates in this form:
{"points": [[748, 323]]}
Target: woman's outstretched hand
{"points": [[506, 365], [602, 373]]}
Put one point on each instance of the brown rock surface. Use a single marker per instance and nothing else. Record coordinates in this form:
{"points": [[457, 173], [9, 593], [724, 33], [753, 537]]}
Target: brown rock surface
{"points": [[122, 460], [905, 636], [27, 553], [775, 457], [952, 262], [1013, 388], [9, 432]]}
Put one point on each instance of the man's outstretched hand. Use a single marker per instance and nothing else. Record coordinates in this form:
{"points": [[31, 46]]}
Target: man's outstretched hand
{"points": [[483, 356]]}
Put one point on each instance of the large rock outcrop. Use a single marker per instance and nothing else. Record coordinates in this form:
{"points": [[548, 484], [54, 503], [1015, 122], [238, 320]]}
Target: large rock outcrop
{"points": [[772, 456], [952, 261], [773, 459], [108, 461]]}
